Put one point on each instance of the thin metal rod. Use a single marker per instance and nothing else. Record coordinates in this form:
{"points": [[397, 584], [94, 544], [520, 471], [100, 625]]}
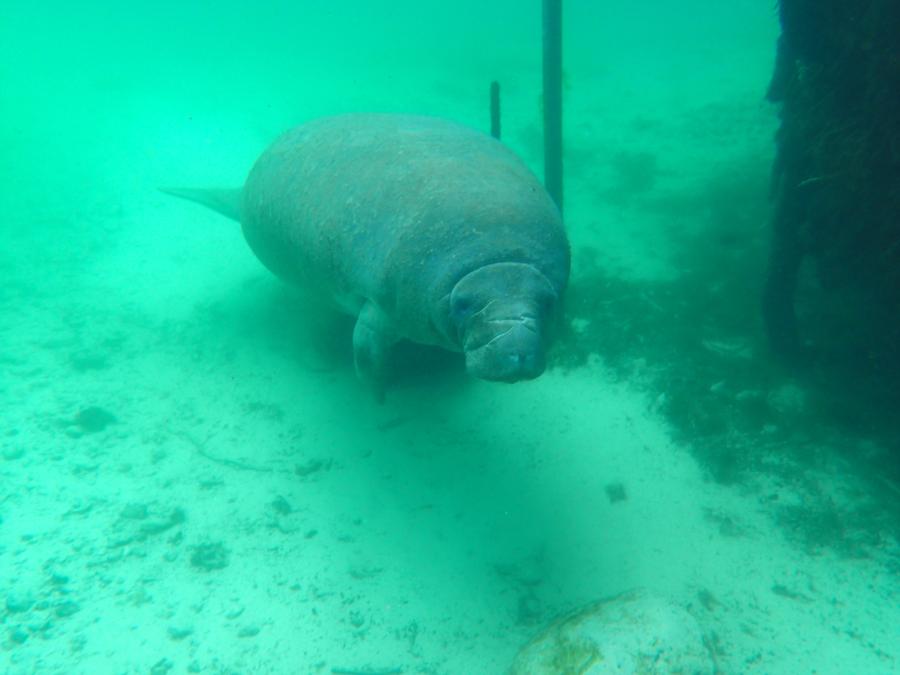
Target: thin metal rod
{"points": [[495, 109], [553, 141]]}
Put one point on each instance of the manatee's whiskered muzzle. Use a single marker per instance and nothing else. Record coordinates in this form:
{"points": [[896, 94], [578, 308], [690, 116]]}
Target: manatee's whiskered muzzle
{"points": [[504, 327], [513, 351], [500, 316]]}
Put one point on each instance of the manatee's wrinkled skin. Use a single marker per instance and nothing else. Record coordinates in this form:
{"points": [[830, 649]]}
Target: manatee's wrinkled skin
{"points": [[424, 229]]}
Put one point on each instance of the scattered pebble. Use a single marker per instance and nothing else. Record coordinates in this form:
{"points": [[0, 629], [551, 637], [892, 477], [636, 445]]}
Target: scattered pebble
{"points": [[158, 526], [281, 505], [179, 632], [67, 608], [13, 453], [162, 667], [248, 631], [311, 467], [59, 579], [209, 557], [362, 571], [235, 613], [615, 492], [17, 602], [94, 419]]}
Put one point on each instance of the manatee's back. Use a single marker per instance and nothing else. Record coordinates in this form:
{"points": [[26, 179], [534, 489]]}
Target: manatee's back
{"points": [[382, 207]]}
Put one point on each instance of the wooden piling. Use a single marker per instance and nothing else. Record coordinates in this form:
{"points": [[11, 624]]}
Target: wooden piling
{"points": [[552, 61]]}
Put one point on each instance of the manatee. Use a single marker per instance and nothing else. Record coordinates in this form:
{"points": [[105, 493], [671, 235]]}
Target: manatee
{"points": [[423, 229]]}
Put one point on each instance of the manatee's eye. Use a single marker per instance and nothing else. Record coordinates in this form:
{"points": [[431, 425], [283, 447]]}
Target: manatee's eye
{"points": [[462, 305]]}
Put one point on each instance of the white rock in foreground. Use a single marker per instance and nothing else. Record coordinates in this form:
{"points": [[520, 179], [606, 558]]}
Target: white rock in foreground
{"points": [[635, 632]]}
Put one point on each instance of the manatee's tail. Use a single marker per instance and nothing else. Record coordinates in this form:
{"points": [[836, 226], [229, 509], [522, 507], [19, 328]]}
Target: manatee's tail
{"points": [[226, 202]]}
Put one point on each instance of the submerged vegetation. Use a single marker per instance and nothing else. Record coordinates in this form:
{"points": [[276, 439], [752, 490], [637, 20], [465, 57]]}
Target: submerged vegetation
{"points": [[697, 345]]}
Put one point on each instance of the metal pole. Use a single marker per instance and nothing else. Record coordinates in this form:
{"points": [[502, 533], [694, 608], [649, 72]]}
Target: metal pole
{"points": [[495, 109], [553, 142]]}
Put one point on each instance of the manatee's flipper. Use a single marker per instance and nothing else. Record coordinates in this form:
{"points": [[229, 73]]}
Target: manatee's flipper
{"points": [[373, 337], [225, 201]]}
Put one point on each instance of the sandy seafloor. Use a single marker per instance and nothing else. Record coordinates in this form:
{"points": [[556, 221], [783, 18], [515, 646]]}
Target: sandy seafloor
{"points": [[252, 509]]}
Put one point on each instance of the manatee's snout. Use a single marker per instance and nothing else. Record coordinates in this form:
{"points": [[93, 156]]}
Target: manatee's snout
{"points": [[501, 313], [505, 350]]}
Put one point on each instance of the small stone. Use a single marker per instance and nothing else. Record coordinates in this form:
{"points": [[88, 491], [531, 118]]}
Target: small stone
{"points": [[154, 527], [10, 454], [615, 492], [210, 557], [179, 632], [67, 608], [41, 628], [59, 579], [17, 602], [161, 667], [311, 467], [635, 632], [211, 482], [248, 631], [94, 419], [18, 636], [281, 505]]}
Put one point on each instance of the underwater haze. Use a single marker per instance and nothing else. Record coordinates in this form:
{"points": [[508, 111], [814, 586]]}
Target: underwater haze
{"points": [[192, 478]]}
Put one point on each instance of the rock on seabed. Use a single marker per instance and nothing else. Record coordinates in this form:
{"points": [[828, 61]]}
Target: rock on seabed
{"points": [[635, 633]]}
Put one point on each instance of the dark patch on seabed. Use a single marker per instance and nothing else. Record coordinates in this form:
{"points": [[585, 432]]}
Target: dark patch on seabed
{"points": [[697, 344]]}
